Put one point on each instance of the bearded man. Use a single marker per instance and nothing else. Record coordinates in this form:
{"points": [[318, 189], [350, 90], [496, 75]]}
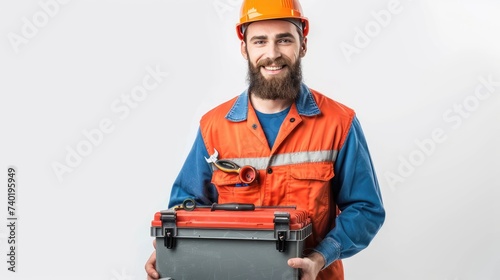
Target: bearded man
{"points": [[308, 149]]}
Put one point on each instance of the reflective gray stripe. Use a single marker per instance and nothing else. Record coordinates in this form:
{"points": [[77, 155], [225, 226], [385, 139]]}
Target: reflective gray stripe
{"points": [[285, 159], [303, 157]]}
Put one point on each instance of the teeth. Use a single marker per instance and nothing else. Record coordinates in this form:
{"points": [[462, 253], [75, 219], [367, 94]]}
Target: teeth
{"points": [[273, 68]]}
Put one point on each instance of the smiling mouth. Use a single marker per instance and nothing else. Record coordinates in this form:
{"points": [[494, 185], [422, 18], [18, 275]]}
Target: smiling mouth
{"points": [[274, 68]]}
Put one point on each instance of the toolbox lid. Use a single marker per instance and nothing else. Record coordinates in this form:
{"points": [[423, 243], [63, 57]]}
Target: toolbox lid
{"points": [[260, 218]]}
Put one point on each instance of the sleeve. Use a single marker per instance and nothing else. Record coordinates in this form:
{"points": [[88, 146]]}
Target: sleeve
{"points": [[358, 197], [194, 179]]}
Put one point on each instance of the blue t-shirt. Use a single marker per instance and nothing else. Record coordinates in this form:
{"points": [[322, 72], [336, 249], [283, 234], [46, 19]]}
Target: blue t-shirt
{"points": [[271, 124]]}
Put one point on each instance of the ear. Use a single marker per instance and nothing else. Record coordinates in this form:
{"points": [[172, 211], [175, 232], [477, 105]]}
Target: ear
{"points": [[244, 50], [303, 47]]}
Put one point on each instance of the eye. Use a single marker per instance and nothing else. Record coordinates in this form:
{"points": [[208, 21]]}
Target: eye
{"points": [[259, 42], [284, 41]]}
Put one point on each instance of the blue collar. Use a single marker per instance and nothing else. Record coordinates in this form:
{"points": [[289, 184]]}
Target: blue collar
{"points": [[305, 103]]}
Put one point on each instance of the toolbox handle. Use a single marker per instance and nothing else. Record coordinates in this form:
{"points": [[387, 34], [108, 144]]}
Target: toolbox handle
{"points": [[233, 207]]}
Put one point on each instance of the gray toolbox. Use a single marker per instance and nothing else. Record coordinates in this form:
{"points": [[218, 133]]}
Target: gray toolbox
{"points": [[233, 245]]}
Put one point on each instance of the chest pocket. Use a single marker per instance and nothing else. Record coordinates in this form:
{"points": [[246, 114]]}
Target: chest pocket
{"points": [[309, 187], [231, 189]]}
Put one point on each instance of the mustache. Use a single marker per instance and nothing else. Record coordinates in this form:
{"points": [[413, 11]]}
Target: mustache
{"points": [[277, 61]]}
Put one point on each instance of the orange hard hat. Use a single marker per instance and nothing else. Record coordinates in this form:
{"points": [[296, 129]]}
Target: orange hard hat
{"points": [[257, 10]]}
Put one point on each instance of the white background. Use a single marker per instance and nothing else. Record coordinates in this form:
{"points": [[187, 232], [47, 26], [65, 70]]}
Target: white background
{"points": [[406, 80]]}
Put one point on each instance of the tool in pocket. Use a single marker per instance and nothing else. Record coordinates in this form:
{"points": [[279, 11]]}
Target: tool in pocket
{"points": [[248, 174]]}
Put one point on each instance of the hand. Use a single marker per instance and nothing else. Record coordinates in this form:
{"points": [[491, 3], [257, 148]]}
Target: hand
{"points": [[151, 265], [310, 265]]}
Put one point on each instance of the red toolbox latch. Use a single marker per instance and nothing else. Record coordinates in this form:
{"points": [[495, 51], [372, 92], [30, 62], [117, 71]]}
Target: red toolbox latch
{"points": [[281, 229]]}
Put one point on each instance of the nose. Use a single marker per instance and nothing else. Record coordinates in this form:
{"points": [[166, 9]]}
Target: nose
{"points": [[273, 51]]}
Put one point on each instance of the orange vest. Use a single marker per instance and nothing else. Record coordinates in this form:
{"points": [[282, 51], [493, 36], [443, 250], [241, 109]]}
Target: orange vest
{"points": [[296, 171]]}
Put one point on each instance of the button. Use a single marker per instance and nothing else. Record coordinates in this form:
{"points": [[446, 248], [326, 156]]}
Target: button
{"points": [[254, 126], [292, 119], [269, 170]]}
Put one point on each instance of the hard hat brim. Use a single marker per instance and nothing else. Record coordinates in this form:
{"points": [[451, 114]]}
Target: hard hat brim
{"points": [[305, 24]]}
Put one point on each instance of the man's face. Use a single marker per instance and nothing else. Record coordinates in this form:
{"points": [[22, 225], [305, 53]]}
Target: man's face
{"points": [[273, 49]]}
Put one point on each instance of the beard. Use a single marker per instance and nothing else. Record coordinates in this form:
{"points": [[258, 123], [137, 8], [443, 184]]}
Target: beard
{"points": [[286, 87]]}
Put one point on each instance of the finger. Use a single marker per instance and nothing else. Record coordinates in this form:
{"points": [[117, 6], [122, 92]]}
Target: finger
{"points": [[303, 266], [153, 275], [154, 243], [296, 263], [151, 267]]}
